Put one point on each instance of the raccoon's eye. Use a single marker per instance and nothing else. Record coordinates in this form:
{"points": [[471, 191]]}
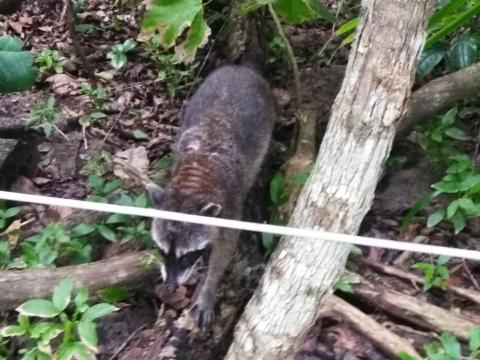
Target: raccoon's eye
{"points": [[189, 259]]}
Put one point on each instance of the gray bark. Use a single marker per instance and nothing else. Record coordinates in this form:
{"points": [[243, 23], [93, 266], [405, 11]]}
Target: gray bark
{"points": [[340, 191]]}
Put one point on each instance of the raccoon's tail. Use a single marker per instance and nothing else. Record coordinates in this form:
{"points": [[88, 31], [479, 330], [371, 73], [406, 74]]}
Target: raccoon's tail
{"points": [[255, 51]]}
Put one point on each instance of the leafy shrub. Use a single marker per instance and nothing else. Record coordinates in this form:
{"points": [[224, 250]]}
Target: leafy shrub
{"points": [[74, 320]]}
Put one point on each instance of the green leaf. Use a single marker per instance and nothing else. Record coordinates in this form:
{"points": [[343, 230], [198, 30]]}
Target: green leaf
{"points": [[112, 185], [405, 356], [41, 328], [83, 229], [87, 331], [419, 205], [11, 212], [142, 200], [13, 330], [469, 182], [277, 188], [430, 58], [444, 12], [443, 260], [468, 205], [454, 24], [348, 26], [269, 241], [38, 307], [170, 18], [16, 66], [436, 217], [62, 294], [197, 36], [113, 294], [118, 219], [106, 232], [449, 118], [452, 209], [128, 45], [451, 345], [74, 351], [117, 58], [446, 187], [463, 52], [456, 133], [140, 134], [349, 39], [98, 311], [298, 11], [474, 339], [96, 182], [459, 222], [81, 298]]}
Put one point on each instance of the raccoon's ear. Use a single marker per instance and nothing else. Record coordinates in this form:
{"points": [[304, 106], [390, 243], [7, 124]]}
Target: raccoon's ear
{"points": [[211, 209], [156, 193]]}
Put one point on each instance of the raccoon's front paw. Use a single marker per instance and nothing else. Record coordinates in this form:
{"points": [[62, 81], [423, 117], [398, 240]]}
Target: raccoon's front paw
{"points": [[203, 313]]}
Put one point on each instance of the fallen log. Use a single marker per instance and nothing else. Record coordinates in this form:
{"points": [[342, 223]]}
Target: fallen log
{"points": [[19, 286], [383, 338], [413, 310]]}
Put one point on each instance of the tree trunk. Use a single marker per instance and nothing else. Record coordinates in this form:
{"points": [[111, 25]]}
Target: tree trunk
{"points": [[340, 191]]}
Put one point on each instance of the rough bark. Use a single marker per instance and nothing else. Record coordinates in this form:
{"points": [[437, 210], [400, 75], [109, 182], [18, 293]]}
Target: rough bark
{"points": [[18, 286], [439, 95], [340, 190]]}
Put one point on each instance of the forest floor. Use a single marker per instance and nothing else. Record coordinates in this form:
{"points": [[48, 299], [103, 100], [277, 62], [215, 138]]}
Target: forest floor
{"points": [[139, 122]]}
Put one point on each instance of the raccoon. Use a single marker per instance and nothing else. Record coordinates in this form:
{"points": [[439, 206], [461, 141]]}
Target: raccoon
{"points": [[224, 136]]}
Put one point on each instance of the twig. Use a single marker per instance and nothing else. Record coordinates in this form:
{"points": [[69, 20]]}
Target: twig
{"points": [[60, 132], [111, 129], [470, 275], [291, 55], [405, 275], [126, 342], [76, 44], [382, 337]]}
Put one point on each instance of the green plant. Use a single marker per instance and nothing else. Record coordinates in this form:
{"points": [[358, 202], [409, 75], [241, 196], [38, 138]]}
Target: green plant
{"points": [[50, 60], [168, 20], [54, 245], [102, 188], [44, 115], [171, 71], [99, 164], [344, 284], [6, 214], [16, 65], [130, 227], [75, 321], [449, 348], [439, 137], [435, 274], [97, 95], [118, 54], [462, 184]]}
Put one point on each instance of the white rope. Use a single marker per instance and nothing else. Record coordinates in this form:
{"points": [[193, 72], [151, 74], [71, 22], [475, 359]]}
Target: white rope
{"points": [[242, 225]]}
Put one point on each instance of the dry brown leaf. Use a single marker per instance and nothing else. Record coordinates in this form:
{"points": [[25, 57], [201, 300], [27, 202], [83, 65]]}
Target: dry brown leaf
{"points": [[17, 27], [13, 233], [132, 164], [62, 84]]}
